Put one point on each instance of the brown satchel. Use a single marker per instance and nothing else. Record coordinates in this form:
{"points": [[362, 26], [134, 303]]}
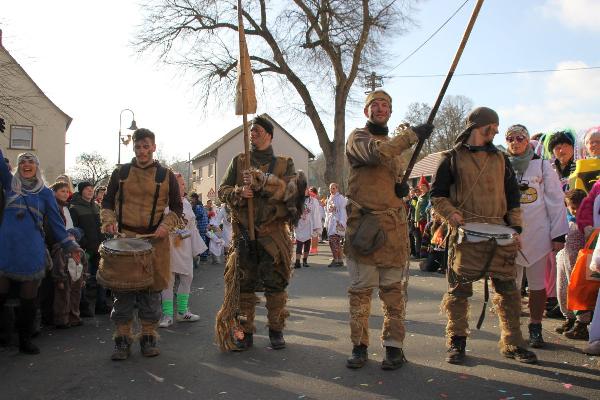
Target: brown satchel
{"points": [[368, 237]]}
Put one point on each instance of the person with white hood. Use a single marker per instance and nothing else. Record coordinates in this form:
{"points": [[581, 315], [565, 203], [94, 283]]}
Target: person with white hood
{"points": [[223, 219], [545, 222], [185, 244], [335, 222]]}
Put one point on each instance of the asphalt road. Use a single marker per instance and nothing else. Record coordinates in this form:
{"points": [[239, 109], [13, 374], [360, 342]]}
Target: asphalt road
{"points": [[75, 363]]}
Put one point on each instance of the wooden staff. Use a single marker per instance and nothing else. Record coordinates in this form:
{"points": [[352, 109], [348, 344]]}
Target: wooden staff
{"points": [[242, 40], [438, 102]]}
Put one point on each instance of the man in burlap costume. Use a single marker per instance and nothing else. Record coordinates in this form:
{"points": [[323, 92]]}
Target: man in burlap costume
{"points": [[271, 182], [127, 208], [378, 257], [475, 182]]}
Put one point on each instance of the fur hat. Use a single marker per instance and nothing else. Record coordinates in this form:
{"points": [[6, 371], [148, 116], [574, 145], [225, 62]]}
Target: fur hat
{"points": [[560, 137], [378, 94]]}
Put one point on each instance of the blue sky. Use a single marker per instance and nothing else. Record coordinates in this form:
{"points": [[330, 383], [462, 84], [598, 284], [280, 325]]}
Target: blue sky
{"points": [[80, 56]]}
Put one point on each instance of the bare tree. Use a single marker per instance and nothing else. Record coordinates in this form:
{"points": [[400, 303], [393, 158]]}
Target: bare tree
{"points": [[311, 49], [15, 101], [449, 121], [91, 167]]}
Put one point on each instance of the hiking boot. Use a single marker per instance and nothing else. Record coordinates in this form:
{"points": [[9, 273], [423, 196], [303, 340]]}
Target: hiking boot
{"points": [[245, 343], [277, 340], [394, 358], [333, 264], [297, 264], [456, 351], [535, 336], [122, 348], [520, 354], [358, 358], [567, 325], [26, 346], [305, 264], [340, 264], [148, 346], [579, 332]]}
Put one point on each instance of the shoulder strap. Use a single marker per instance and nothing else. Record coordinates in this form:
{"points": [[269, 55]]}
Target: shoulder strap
{"points": [[36, 221], [272, 165], [159, 177]]}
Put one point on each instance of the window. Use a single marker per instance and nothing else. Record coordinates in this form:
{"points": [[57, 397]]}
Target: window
{"points": [[211, 167], [21, 137]]}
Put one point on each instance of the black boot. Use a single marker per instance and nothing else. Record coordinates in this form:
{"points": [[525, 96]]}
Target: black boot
{"points": [[535, 336], [456, 351], [149, 346], [520, 354], [358, 358], [394, 358], [305, 263], [25, 321], [122, 348], [245, 343], [277, 340], [297, 264]]}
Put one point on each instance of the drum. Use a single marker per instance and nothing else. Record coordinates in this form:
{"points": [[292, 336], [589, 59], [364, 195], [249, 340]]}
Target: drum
{"points": [[476, 232], [481, 249], [126, 264]]}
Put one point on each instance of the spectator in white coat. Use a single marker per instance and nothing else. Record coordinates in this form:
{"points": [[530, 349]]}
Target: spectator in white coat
{"points": [[335, 222], [545, 222], [309, 226], [185, 245]]}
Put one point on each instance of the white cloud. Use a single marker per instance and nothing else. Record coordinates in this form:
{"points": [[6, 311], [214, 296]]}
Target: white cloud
{"points": [[566, 99], [574, 13]]}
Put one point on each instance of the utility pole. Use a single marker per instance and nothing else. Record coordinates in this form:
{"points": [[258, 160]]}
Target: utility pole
{"points": [[372, 82]]}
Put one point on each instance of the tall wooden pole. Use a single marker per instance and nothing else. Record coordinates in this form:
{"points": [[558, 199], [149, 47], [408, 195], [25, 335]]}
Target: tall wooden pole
{"points": [[242, 40], [440, 97]]}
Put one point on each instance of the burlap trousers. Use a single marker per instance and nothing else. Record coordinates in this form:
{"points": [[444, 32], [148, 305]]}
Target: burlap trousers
{"points": [[392, 284], [276, 311], [507, 302]]}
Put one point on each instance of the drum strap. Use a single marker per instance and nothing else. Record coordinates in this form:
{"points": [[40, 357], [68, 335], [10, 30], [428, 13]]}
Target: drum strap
{"points": [[159, 177]]}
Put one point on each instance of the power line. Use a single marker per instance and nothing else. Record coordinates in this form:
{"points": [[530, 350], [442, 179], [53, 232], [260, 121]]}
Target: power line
{"points": [[533, 71], [430, 37]]}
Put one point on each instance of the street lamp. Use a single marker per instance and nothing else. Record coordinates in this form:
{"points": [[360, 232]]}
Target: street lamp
{"points": [[125, 139]]}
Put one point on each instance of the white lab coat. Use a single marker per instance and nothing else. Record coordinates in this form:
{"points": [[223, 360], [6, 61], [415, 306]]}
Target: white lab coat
{"points": [[544, 211], [182, 257], [216, 244], [310, 221]]}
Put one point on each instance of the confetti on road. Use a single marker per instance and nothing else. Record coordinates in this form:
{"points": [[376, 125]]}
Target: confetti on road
{"points": [[430, 380], [567, 385], [179, 386], [364, 384], [526, 394], [301, 396], [463, 376], [156, 377], [171, 365], [222, 393], [337, 377], [502, 390], [444, 395], [380, 383]]}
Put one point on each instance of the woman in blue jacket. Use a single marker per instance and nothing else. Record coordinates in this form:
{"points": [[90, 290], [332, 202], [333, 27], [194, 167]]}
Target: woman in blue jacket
{"points": [[28, 202]]}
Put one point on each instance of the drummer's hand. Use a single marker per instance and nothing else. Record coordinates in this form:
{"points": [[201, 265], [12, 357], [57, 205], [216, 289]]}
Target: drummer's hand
{"points": [[76, 255], [161, 232], [557, 246], [517, 238], [456, 219], [247, 193]]}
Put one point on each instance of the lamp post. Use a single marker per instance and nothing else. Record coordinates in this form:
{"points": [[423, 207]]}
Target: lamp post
{"points": [[125, 139]]}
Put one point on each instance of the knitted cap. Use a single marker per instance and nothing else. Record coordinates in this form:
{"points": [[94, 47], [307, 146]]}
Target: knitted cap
{"points": [[265, 123], [83, 185], [378, 94], [560, 137], [517, 128]]}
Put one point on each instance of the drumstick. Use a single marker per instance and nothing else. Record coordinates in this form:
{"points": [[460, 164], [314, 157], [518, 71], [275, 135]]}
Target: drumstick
{"points": [[148, 235]]}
